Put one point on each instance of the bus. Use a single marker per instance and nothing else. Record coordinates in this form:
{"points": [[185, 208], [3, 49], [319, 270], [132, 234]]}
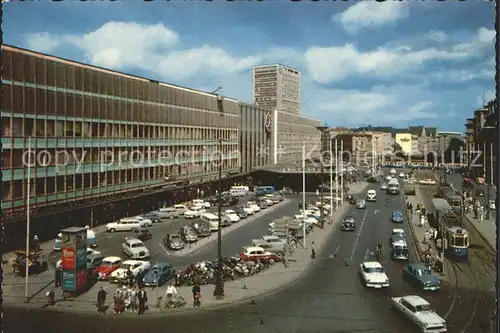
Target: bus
{"points": [[263, 190], [239, 191]]}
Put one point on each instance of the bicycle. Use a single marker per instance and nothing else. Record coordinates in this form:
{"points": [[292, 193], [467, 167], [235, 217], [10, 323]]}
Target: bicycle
{"points": [[172, 303]]}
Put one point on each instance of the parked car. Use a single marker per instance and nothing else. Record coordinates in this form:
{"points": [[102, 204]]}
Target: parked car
{"points": [[397, 216], [129, 224], [169, 213], [255, 253], [201, 203], [240, 210], [277, 248], [194, 212], [373, 275], [188, 234], [225, 221], [427, 181], [492, 205], [348, 224], [262, 203], [181, 209], [254, 206], [214, 200], [229, 200], [107, 266], [173, 241], [384, 186], [202, 228], [158, 274], [134, 266], [419, 311], [232, 215], [373, 180], [153, 216], [422, 277], [94, 260], [286, 191], [135, 249], [143, 234]]}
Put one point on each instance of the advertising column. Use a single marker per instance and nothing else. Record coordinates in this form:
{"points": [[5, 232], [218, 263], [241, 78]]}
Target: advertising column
{"points": [[74, 259]]}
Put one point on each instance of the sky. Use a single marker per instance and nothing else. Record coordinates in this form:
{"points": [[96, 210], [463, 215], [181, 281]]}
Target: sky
{"points": [[362, 63]]}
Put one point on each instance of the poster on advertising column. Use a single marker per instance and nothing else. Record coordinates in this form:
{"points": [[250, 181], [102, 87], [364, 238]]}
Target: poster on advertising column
{"points": [[68, 259], [69, 281]]}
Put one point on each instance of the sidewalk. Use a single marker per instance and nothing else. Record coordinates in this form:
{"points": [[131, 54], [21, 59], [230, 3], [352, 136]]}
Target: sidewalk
{"points": [[416, 231], [487, 229], [243, 289]]}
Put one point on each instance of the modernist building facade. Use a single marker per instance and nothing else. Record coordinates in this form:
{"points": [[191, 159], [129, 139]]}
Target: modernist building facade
{"points": [[277, 87], [99, 136]]}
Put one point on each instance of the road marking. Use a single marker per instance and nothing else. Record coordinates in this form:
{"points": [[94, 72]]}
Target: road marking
{"points": [[164, 249], [357, 237]]}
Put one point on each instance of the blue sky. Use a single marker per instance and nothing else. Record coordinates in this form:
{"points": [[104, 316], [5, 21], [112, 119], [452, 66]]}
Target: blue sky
{"points": [[392, 63]]}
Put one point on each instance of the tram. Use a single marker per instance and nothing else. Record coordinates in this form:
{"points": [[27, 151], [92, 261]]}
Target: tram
{"points": [[450, 229]]}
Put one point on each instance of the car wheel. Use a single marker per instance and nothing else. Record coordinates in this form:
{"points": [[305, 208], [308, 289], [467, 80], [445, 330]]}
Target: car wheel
{"points": [[279, 254], [112, 230], [271, 261]]}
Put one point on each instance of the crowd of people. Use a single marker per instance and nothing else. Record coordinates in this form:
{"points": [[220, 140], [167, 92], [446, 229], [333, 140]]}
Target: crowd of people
{"points": [[125, 298]]}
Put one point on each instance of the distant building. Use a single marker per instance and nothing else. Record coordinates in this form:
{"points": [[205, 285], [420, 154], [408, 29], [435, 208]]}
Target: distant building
{"points": [[277, 87], [358, 146]]}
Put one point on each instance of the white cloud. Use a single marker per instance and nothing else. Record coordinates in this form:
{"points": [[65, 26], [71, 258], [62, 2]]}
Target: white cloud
{"points": [[371, 13], [483, 38], [122, 44], [327, 64], [185, 64], [42, 42], [460, 76]]}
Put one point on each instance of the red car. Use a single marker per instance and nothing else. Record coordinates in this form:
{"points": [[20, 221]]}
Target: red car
{"points": [[107, 266], [255, 253]]}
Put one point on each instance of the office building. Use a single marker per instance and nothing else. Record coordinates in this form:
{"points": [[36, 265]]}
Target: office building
{"points": [[100, 135], [277, 87]]}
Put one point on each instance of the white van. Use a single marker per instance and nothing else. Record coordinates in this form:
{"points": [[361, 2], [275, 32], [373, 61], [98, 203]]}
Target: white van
{"points": [[128, 224], [212, 219], [371, 195]]}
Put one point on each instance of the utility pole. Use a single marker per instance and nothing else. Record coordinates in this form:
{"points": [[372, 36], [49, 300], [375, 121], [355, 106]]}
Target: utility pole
{"points": [[342, 171], [304, 189], [219, 282], [331, 180], [336, 177], [287, 245]]}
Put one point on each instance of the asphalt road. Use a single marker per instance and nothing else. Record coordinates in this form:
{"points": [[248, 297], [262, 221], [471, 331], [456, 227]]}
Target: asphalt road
{"points": [[329, 299]]}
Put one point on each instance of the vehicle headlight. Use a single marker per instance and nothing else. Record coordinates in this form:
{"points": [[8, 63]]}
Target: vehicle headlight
{"points": [[426, 325]]}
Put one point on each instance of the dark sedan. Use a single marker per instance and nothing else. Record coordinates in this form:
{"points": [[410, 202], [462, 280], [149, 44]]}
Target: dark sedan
{"points": [[154, 217], [202, 228], [348, 224], [422, 277], [241, 212], [173, 241], [480, 193]]}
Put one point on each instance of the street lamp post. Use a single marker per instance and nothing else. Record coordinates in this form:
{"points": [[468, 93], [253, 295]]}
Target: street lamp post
{"points": [[219, 281], [322, 152]]}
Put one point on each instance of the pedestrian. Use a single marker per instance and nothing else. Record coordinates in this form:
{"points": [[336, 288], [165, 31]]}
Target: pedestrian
{"points": [[313, 250], [133, 299], [142, 297], [101, 300]]}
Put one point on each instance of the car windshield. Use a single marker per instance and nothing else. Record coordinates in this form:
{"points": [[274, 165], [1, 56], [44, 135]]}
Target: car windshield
{"points": [[398, 234], [422, 272], [175, 237], [127, 266], [423, 307], [107, 263], [136, 245], [374, 270]]}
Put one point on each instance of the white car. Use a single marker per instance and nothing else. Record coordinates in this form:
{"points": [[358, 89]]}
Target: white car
{"points": [[129, 224], [307, 219], [401, 175], [491, 205], [427, 181], [194, 212], [373, 275], [248, 209], [232, 215], [135, 266], [199, 202], [371, 195], [393, 172], [135, 249], [419, 311], [254, 206], [91, 251], [388, 178]]}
